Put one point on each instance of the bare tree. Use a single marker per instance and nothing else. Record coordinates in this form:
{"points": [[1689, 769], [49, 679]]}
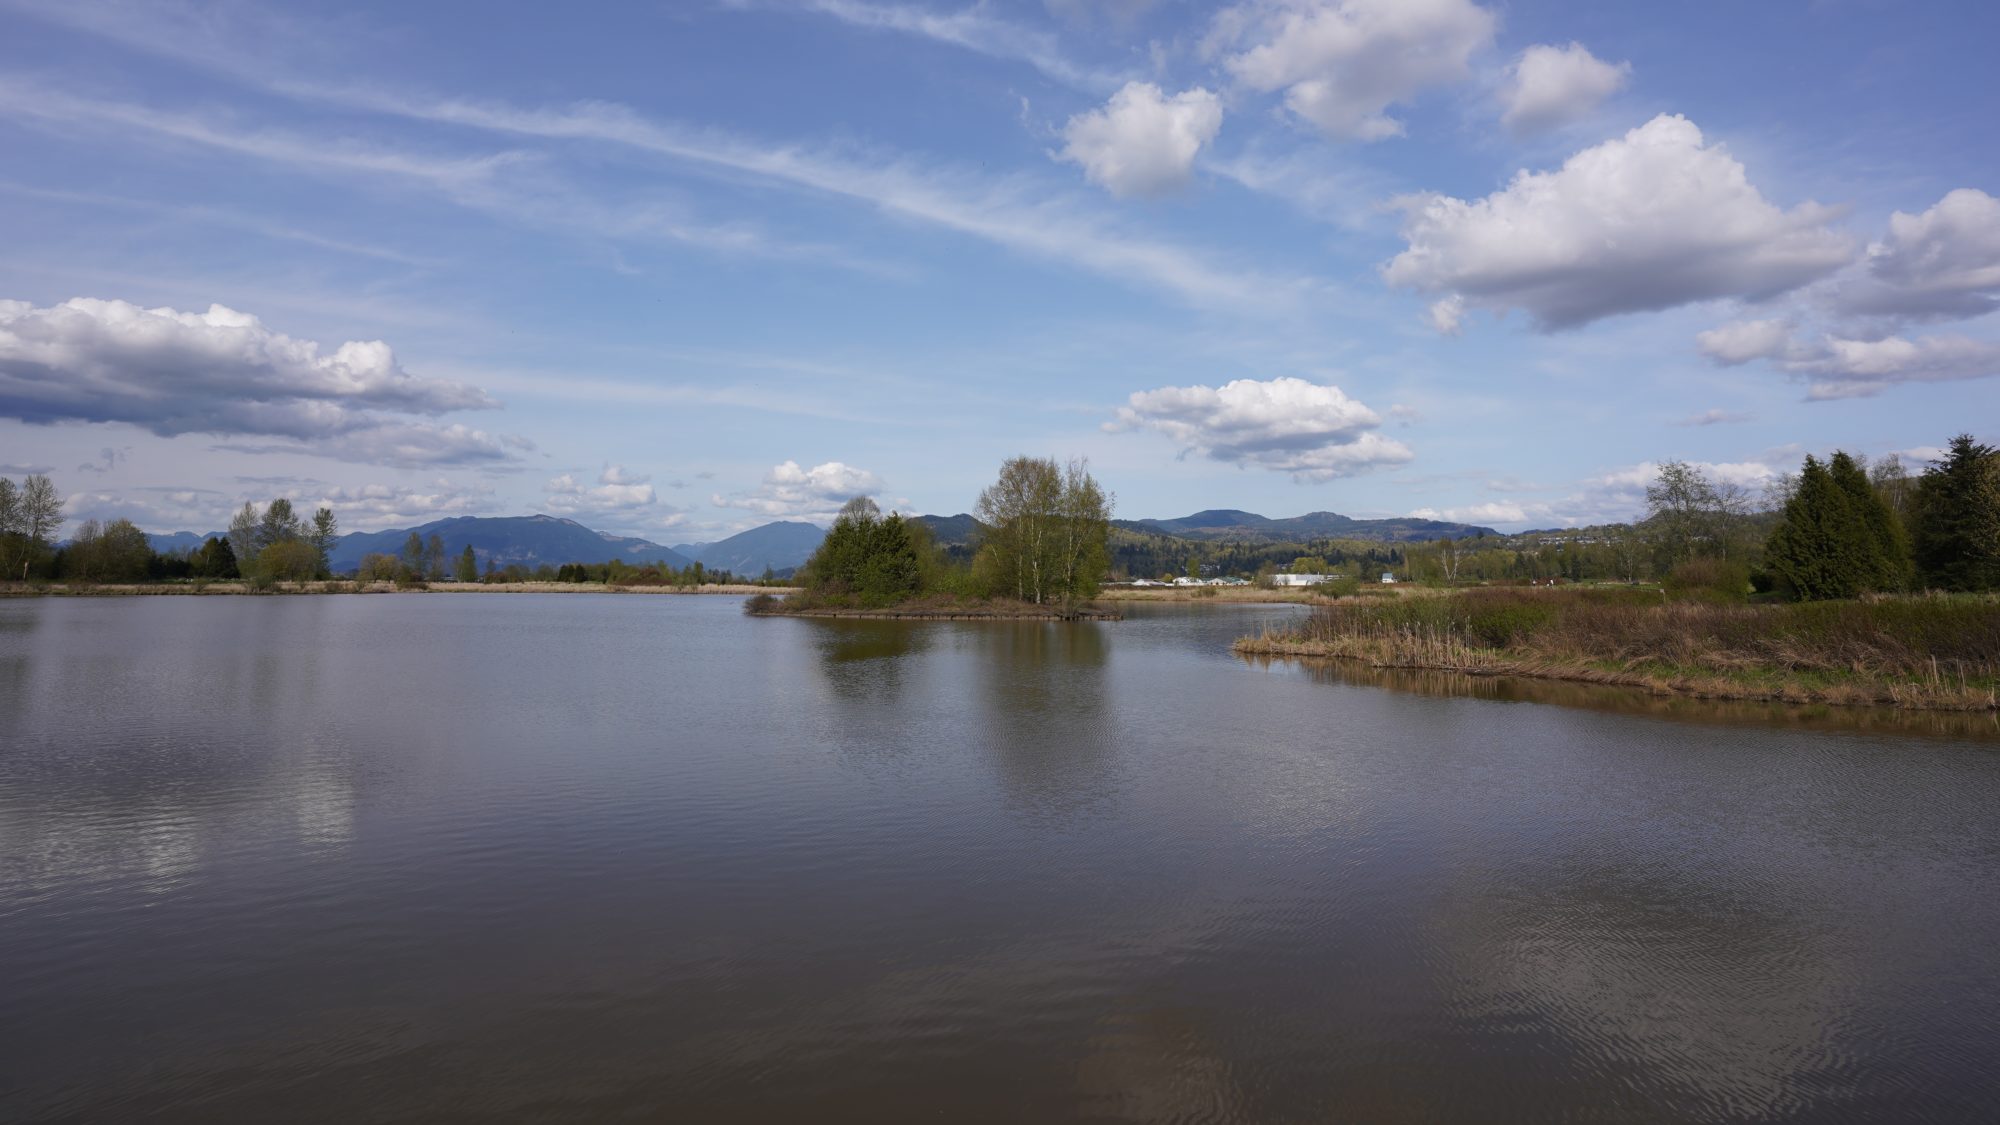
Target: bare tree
{"points": [[41, 510]]}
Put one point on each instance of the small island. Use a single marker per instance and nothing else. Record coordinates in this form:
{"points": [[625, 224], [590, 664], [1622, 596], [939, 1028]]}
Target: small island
{"points": [[1041, 557]]}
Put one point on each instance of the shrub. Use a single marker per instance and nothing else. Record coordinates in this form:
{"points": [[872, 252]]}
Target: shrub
{"points": [[1709, 579]]}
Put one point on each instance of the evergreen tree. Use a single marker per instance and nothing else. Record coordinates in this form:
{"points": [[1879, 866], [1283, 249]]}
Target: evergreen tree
{"points": [[324, 531], [1883, 550], [468, 565], [413, 556], [1821, 546], [1957, 519]]}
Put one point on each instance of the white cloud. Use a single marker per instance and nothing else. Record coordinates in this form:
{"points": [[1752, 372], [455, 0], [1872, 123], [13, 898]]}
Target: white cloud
{"points": [[1744, 340], [382, 505], [1652, 220], [1312, 431], [616, 490], [1943, 264], [790, 492], [972, 29], [1713, 417], [1837, 366], [1497, 511], [1447, 315], [1343, 63], [1840, 368], [1143, 143], [1549, 86], [226, 373]]}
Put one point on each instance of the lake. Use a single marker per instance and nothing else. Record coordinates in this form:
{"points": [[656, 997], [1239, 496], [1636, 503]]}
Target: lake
{"points": [[605, 858]]}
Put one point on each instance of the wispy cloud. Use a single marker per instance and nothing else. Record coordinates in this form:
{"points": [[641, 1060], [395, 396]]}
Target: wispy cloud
{"points": [[973, 29]]}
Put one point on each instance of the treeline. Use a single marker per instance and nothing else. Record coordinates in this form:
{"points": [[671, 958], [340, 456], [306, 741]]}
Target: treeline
{"points": [[1044, 528], [1835, 529]]}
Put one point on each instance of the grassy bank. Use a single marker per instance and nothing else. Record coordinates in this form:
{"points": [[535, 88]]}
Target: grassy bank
{"points": [[1920, 652], [928, 607]]}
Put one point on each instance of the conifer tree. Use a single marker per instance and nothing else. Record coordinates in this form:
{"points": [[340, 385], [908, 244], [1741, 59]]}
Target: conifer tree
{"points": [[1816, 550], [1882, 549], [1957, 519]]}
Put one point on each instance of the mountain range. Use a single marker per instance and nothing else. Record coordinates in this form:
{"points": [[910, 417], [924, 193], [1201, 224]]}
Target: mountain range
{"points": [[783, 546]]}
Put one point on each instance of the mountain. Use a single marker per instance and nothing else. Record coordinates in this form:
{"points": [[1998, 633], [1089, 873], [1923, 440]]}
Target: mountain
{"points": [[951, 531], [528, 540], [1229, 523], [781, 547], [172, 542]]}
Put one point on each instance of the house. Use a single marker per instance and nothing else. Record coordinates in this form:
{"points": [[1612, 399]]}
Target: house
{"points": [[1388, 578], [1297, 579]]}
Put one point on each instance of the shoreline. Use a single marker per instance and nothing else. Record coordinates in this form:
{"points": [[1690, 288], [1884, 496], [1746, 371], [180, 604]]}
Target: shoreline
{"points": [[331, 587], [931, 608], [1779, 686]]}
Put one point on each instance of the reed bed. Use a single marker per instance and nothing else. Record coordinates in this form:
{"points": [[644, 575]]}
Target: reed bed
{"points": [[1928, 651]]}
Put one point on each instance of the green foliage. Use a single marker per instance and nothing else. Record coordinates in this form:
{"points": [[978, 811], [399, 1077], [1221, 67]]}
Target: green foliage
{"points": [[1957, 519], [468, 565], [1047, 530], [1709, 579], [113, 552], [214, 559], [868, 558], [1835, 538], [289, 560]]}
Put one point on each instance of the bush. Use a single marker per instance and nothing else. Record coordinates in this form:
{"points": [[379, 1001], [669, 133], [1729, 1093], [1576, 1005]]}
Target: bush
{"points": [[1709, 579], [1339, 587], [762, 603]]}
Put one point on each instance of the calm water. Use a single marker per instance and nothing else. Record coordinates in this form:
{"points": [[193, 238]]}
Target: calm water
{"points": [[631, 858]]}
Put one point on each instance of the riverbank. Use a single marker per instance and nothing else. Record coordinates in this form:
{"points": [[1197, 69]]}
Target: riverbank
{"points": [[1939, 653], [337, 586], [928, 608]]}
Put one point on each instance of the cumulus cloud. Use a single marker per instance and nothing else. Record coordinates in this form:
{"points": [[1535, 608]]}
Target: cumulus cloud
{"points": [[790, 492], [1744, 340], [1142, 143], [1652, 220], [1549, 86], [224, 372], [1497, 511], [1943, 264], [616, 490], [384, 505], [1836, 366], [1342, 63], [1314, 432]]}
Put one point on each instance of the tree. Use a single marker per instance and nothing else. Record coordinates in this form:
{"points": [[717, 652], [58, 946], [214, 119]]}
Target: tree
{"points": [[1686, 513], [1823, 546], [865, 556], [289, 560], [279, 525], [41, 510], [413, 555], [243, 532], [434, 558], [10, 508], [214, 559], [1883, 550], [468, 565], [324, 531], [1047, 530], [378, 567], [1956, 524]]}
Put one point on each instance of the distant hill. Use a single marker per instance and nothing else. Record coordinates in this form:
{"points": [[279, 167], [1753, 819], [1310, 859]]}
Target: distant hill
{"points": [[528, 540], [1229, 523], [782, 547], [172, 542], [951, 531]]}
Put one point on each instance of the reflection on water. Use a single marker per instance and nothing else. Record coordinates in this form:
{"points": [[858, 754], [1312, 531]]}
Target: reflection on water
{"points": [[1634, 701], [599, 857]]}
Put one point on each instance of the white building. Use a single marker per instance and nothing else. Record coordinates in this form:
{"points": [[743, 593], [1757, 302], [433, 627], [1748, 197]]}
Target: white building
{"points": [[1297, 579], [1388, 578]]}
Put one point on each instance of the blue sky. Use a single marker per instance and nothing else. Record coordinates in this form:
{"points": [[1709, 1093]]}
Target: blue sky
{"points": [[678, 269]]}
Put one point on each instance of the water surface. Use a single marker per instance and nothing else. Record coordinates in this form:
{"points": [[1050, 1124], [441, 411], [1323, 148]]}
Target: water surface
{"points": [[542, 857]]}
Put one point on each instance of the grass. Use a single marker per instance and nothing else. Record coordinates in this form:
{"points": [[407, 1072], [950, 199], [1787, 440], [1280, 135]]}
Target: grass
{"points": [[1922, 652]]}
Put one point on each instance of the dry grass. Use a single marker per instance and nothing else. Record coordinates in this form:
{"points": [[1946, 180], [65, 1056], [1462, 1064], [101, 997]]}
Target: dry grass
{"points": [[930, 607], [1921, 652]]}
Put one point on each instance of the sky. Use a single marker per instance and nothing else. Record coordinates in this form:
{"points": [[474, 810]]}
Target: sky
{"points": [[678, 269]]}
